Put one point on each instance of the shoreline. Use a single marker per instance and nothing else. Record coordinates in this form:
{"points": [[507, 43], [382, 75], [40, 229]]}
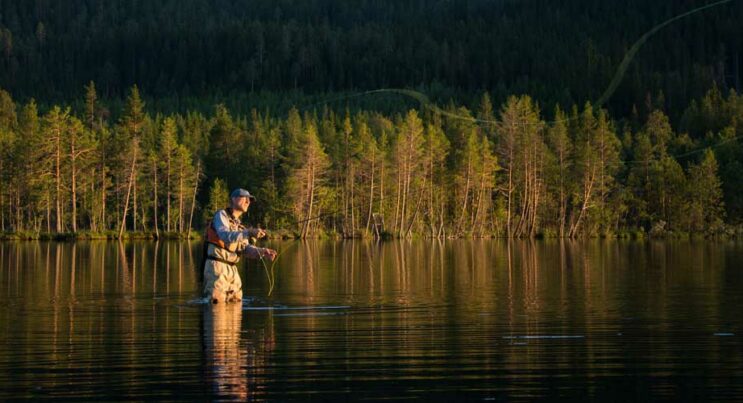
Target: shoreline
{"points": [[730, 233], [95, 236]]}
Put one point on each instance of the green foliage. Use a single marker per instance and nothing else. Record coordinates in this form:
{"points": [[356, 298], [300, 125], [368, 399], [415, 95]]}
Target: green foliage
{"points": [[363, 173], [218, 198], [704, 208]]}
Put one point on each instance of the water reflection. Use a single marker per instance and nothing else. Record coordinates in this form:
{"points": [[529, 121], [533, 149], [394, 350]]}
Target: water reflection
{"points": [[411, 318], [236, 358], [225, 356], [69, 270]]}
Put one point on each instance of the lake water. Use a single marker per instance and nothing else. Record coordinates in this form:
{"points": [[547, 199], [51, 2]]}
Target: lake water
{"points": [[356, 320]]}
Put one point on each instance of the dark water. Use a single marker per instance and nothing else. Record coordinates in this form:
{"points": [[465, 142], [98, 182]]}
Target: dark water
{"points": [[475, 320]]}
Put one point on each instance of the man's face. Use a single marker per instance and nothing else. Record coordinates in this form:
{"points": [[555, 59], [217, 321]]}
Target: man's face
{"points": [[240, 203]]}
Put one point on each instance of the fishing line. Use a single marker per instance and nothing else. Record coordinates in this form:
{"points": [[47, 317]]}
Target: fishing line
{"points": [[270, 273], [618, 77], [330, 214], [610, 90]]}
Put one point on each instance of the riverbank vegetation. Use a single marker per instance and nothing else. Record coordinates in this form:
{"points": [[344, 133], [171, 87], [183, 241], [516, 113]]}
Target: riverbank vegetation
{"points": [[491, 171]]}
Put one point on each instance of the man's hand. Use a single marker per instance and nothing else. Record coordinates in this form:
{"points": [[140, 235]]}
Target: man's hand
{"points": [[256, 233], [254, 252], [269, 254]]}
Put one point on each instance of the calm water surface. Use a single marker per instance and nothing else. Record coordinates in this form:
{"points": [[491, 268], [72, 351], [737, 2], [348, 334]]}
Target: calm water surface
{"points": [[355, 320]]}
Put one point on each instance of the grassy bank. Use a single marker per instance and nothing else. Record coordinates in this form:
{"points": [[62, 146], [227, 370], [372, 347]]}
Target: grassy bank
{"points": [[89, 235], [722, 233]]}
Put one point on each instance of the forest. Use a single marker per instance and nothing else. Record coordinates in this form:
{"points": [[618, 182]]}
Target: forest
{"points": [[493, 171], [134, 118], [189, 54]]}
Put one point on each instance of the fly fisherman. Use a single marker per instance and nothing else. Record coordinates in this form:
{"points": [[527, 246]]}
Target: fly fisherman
{"points": [[227, 239]]}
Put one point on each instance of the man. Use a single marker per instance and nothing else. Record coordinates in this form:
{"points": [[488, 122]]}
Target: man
{"points": [[227, 239]]}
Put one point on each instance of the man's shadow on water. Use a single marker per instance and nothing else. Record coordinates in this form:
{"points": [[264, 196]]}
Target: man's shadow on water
{"points": [[233, 358]]}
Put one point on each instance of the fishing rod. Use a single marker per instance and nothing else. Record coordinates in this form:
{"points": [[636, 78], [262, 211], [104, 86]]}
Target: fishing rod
{"points": [[270, 272], [319, 216]]}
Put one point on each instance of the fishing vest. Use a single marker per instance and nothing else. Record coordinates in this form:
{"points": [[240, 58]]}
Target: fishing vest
{"points": [[219, 250]]}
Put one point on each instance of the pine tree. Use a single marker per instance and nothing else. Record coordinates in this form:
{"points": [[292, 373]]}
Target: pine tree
{"points": [[81, 145], [407, 154], [131, 126], [607, 148], [705, 209], [218, 198], [91, 98], [226, 147], [56, 123], [435, 156], [8, 137], [560, 185], [29, 168], [306, 181], [167, 155]]}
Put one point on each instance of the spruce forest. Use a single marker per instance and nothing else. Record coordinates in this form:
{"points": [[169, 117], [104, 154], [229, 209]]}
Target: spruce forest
{"points": [[388, 118]]}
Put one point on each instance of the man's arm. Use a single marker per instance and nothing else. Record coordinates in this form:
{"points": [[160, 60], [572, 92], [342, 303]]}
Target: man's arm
{"points": [[222, 227]]}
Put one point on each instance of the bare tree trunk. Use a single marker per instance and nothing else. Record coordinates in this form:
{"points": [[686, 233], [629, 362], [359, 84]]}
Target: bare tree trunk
{"points": [[403, 196], [602, 179], [48, 212], [58, 179], [412, 220], [154, 194], [117, 188], [73, 189], [93, 214], [475, 219], [406, 193], [464, 200], [167, 200], [143, 218], [563, 198], [134, 206], [344, 203], [431, 195], [509, 193], [587, 191], [371, 194], [73, 178], [193, 199], [311, 195], [180, 200], [525, 196], [442, 218], [129, 188], [353, 208], [17, 209], [537, 194], [381, 187], [397, 202], [103, 197]]}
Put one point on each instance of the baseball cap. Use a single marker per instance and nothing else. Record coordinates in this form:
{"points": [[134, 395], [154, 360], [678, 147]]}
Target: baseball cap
{"points": [[239, 192]]}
